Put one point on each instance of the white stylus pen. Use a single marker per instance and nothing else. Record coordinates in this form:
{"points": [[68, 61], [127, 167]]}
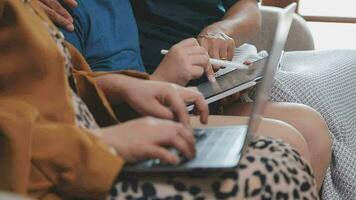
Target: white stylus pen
{"points": [[219, 62]]}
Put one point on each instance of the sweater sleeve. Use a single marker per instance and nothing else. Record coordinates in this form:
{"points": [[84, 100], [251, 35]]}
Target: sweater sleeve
{"points": [[38, 156], [42, 152]]}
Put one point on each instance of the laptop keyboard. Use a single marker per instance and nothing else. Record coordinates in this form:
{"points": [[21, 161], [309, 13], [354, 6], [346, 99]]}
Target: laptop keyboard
{"points": [[199, 135], [211, 146], [219, 142]]}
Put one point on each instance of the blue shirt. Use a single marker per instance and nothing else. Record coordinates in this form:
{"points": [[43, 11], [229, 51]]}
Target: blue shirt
{"points": [[106, 34], [163, 23]]}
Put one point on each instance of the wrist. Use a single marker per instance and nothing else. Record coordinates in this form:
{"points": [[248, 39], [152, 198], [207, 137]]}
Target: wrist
{"points": [[219, 28], [155, 76], [100, 133], [97, 133], [114, 86]]}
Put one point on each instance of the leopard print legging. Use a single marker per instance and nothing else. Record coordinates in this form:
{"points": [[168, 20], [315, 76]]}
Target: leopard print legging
{"points": [[270, 169]]}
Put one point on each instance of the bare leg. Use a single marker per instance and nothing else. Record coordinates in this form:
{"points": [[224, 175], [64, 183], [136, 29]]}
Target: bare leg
{"points": [[308, 122]]}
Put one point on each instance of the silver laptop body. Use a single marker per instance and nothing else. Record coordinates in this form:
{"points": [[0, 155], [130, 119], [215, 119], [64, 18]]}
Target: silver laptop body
{"points": [[222, 147]]}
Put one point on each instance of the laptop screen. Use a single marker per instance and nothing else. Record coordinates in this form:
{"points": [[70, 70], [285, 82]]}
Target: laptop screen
{"points": [[263, 91]]}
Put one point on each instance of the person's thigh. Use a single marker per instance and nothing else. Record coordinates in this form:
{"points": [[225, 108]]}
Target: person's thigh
{"points": [[305, 119]]}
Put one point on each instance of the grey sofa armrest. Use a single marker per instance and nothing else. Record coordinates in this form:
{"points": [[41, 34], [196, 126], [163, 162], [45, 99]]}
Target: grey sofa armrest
{"points": [[300, 37]]}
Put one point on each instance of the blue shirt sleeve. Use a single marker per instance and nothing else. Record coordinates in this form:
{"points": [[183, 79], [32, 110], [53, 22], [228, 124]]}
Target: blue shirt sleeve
{"points": [[106, 34]]}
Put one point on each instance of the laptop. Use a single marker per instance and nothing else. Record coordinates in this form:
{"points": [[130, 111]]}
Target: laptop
{"points": [[219, 148]]}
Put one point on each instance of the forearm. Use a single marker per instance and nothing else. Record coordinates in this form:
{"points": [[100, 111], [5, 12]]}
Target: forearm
{"points": [[116, 84], [113, 86], [242, 21]]}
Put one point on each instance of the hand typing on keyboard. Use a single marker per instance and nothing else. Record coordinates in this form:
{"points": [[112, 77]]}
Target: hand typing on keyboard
{"points": [[199, 135]]}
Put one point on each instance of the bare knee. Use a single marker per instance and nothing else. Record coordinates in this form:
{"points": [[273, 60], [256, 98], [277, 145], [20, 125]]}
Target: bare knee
{"points": [[317, 134], [315, 123], [298, 115], [306, 120], [313, 128], [281, 130]]}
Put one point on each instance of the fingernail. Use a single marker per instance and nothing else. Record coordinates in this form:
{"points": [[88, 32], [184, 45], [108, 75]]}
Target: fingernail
{"points": [[212, 78], [194, 153], [248, 62], [176, 160], [71, 19], [204, 120], [73, 3], [70, 27]]}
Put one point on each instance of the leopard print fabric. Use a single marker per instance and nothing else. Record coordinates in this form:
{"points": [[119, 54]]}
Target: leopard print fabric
{"points": [[270, 169], [83, 117]]}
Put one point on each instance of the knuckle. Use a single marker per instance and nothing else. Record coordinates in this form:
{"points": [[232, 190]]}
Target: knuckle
{"points": [[202, 100], [173, 86], [178, 127], [203, 40], [150, 121], [179, 54], [183, 61], [202, 49], [215, 68], [192, 76], [228, 46], [232, 42], [194, 91], [56, 5], [205, 64], [215, 40], [173, 134], [174, 49], [199, 99], [181, 51], [195, 42], [205, 58], [51, 12], [195, 76], [200, 40], [167, 92], [198, 95], [207, 54], [222, 46], [192, 39], [152, 152]]}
